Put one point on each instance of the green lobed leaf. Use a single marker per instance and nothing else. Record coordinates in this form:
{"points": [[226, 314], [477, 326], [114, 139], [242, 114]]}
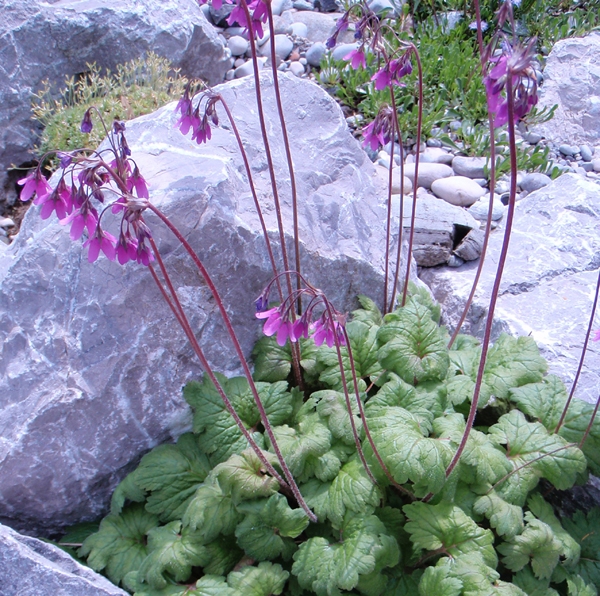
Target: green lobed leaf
{"points": [[222, 555], [303, 444], [119, 546], [505, 518], [369, 313], [127, 490], [211, 511], [328, 568], [244, 476], [172, 552], [406, 452], [578, 587], [585, 529], [536, 545], [268, 527], [332, 408], [544, 455], [542, 510], [412, 345], [172, 473], [487, 460], [545, 402], [266, 579], [436, 580], [526, 580], [447, 528], [272, 362], [422, 295], [363, 341]]}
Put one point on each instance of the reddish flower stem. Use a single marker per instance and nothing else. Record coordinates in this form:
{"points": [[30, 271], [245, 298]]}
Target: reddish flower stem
{"points": [[253, 191], [417, 153], [497, 280], [263, 415]]}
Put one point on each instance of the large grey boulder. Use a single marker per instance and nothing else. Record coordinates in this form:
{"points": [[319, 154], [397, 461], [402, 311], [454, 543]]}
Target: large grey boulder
{"points": [[50, 40], [92, 362], [572, 81], [549, 280], [30, 567]]}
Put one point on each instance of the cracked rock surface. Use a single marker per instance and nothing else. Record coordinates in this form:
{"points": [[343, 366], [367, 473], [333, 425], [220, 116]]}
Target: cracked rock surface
{"points": [[549, 279]]}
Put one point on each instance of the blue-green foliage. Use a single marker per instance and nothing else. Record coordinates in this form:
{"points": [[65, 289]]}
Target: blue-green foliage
{"points": [[203, 517]]}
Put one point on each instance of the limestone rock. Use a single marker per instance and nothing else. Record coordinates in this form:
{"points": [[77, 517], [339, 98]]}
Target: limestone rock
{"points": [[428, 173], [572, 80], [30, 566], [549, 280], [471, 167], [50, 40], [92, 360], [457, 190]]}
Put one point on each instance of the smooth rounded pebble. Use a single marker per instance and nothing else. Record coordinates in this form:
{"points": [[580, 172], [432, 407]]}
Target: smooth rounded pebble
{"points": [[479, 210], [436, 155], [383, 175], [457, 190], [237, 45], [534, 181], [596, 163], [299, 29], [428, 173], [315, 53], [296, 68], [471, 167], [586, 153], [247, 68], [283, 47]]}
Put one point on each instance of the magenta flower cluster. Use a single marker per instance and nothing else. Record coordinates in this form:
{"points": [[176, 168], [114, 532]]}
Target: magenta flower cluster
{"points": [[87, 188], [380, 131], [195, 119], [257, 9], [514, 62], [282, 322]]}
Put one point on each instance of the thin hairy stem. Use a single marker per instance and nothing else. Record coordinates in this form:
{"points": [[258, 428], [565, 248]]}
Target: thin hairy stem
{"points": [[338, 349], [497, 280], [591, 423], [253, 191], [416, 182], [363, 417], [581, 358], [288, 152], [488, 222], [177, 310], [401, 216], [263, 415], [388, 226]]}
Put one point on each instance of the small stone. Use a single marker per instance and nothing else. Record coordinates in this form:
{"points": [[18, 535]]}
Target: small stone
{"points": [[481, 181], [381, 7], [455, 125], [6, 222], [534, 181], [315, 53], [455, 261], [237, 45], [384, 175], [355, 120], [238, 62], [588, 166], [297, 69], [586, 153], [428, 173], [299, 30], [479, 210], [283, 47], [342, 50], [532, 137], [568, 149], [471, 167], [436, 155], [303, 61], [261, 41], [303, 5], [294, 56], [230, 74], [596, 164], [434, 143], [278, 6], [457, 190], [326, 5], [247, 69]]}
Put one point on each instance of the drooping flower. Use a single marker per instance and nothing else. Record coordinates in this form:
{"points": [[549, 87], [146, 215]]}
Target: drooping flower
{"points": [[86, 123], [59, 200], [326, 331], [100, 241], [381, 130], [136, 182], [356, 58], [34, 184]]}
